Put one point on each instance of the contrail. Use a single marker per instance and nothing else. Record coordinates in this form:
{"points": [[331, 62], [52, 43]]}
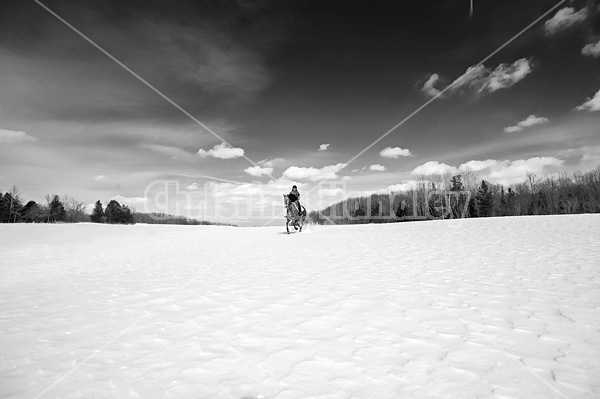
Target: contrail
{"points": [[471, 10]]}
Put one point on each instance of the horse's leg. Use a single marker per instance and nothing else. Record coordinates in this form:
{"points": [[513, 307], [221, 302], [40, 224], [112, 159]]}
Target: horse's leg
{"points": [[287, 228]]}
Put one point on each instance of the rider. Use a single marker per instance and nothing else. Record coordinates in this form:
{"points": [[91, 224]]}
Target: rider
{"points": [[294, 196]]}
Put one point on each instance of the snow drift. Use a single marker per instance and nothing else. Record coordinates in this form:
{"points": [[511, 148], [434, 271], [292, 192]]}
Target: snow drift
{"points": [[503, 308]]}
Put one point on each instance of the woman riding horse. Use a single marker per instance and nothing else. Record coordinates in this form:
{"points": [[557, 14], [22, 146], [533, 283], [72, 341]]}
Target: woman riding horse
{"points": [[295, 212]]}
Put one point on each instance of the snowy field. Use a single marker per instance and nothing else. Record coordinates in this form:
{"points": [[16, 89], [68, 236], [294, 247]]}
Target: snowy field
{"points": [[487, 308]]}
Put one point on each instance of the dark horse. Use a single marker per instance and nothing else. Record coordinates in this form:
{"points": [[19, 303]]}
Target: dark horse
{"points": [[295, 214]]}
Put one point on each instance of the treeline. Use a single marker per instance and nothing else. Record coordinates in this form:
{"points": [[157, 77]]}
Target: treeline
{"points": [[448, 196], [165, 218], [56, 209], [114, 213], [68, 210]]}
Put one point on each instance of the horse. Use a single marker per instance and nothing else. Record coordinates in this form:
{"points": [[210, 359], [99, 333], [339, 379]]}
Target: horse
{"points": [[295, 214]]}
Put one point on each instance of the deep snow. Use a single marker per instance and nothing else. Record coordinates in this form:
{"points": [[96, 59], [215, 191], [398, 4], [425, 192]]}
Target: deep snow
{"points": [[502, 308]]}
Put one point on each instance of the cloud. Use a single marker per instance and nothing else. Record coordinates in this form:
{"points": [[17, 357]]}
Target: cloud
{"points": [[258, 171], [429, 85], [432, 167], [324, 147], [479, 80], [313, 174], [531, 120], [497, 171], [476, 166], [592, 104], [508, 172], [395, 152], [564, 19], [100, 178], [193, 187], [377, 168], [592, 49], [504, 76], [14, 136], [130, 201], [402, 186], [211, 56], [222, 151]]}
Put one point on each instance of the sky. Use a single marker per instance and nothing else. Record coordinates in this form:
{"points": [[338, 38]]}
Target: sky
{"points": [[225, 104]]}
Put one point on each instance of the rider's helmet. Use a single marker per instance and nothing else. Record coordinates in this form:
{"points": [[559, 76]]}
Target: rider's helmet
{"points": [[294, 188]]}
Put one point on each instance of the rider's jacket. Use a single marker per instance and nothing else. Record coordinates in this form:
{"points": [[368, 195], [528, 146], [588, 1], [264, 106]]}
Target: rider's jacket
{"points": [[295, 193]]}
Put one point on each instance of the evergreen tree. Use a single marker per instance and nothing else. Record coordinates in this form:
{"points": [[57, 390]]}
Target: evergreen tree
{"points": [[3, 209], [126, 216], [57, 211], [113, 212], [472, 208], [30, 212], [484, 200], [97, 213]]}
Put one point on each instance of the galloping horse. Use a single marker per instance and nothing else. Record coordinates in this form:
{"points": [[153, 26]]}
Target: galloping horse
{"points": [[295, 214]]}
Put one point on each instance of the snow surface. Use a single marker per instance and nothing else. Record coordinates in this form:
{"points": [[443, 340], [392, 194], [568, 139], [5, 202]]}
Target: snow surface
{"points": [[484, 308]]}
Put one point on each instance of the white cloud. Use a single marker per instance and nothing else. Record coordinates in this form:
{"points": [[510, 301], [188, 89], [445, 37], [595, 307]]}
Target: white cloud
{"points": [[100, 178], [313, 174], [332, 192], [591, 49], [476, 166], [130, 201], [479, 80], [531, 120], [193, 187], [432, 167], [258, 171], [585, 154], [508, 172], [402, 186], [474, 79], [505, 75], [563, 19], [512, 129], [324, 147], [592, 104], [377, 168], [497, 171], [14, 136], [222, 151], [429, 85], [395, 152]]}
